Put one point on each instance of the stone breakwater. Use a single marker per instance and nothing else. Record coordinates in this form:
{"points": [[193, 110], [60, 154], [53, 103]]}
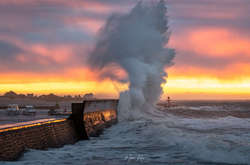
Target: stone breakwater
{"points": [[88, 119], [95, 122]]}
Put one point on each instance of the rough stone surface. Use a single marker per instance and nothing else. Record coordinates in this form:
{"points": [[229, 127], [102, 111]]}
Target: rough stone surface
{"points": [[95, 122], [51, 134]]}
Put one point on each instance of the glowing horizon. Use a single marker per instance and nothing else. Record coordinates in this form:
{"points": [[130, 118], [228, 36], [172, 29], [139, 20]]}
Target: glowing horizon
{"points": [[194, 88]]}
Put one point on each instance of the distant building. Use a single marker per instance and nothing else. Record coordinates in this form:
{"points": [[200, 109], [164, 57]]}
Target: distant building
{"points": [[21, 96], [88, 96], [30, 95], [50, 97]]}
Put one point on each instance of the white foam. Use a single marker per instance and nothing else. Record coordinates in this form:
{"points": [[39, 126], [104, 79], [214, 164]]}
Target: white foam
{"points": [[168, 139]]}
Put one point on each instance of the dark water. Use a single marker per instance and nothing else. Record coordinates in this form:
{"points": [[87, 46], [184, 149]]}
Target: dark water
{"points": [[237, 105], [161, 139]]}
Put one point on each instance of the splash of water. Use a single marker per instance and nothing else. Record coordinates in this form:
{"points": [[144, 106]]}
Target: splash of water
{"points": [[136, 42]]}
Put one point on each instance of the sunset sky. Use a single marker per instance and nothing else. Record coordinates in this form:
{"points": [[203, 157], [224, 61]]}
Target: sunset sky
{"points": [[44, 45]]}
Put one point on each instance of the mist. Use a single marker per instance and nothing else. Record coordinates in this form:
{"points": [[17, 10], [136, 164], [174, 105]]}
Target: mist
{"points": [[137, 43]]}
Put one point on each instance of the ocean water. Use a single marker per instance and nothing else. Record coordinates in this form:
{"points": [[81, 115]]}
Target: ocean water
{"points": [[163, 138]]}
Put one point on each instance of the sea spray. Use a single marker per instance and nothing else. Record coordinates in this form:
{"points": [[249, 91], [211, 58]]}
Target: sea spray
{"points": [[136, 42]]}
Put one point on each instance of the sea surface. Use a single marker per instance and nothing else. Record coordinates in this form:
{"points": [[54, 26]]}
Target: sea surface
{"points": [[166, 138]]}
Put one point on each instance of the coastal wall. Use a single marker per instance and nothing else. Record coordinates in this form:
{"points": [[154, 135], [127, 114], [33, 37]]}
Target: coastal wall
{"points": [[13, 141], [99, 114], [95, 122], [56, 133]]}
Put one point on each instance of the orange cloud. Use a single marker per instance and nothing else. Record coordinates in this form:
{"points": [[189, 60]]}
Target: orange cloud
{"points": [[87, 24], [59, 54], [217, 42], [218, 53], [76, 74], [96, 7], [236, 71], [21, 58]]}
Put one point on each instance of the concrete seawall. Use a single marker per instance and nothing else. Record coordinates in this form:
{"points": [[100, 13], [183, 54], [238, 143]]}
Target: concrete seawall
{"points": [[88, 119], [96, 121]]}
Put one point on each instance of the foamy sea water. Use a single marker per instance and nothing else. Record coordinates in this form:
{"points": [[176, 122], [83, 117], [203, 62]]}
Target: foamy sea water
{"points": [[164, 140]]}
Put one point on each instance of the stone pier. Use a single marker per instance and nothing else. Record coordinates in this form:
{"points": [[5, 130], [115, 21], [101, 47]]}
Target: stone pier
{"points": [[88, 119]]}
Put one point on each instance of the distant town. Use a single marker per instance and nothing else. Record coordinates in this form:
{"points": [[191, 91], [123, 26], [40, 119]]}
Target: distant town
{"points": [[49, 97]]}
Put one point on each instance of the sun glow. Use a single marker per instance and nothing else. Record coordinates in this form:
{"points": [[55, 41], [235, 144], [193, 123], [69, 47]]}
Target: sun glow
{"points": [[207, 88], [176, 87]]}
